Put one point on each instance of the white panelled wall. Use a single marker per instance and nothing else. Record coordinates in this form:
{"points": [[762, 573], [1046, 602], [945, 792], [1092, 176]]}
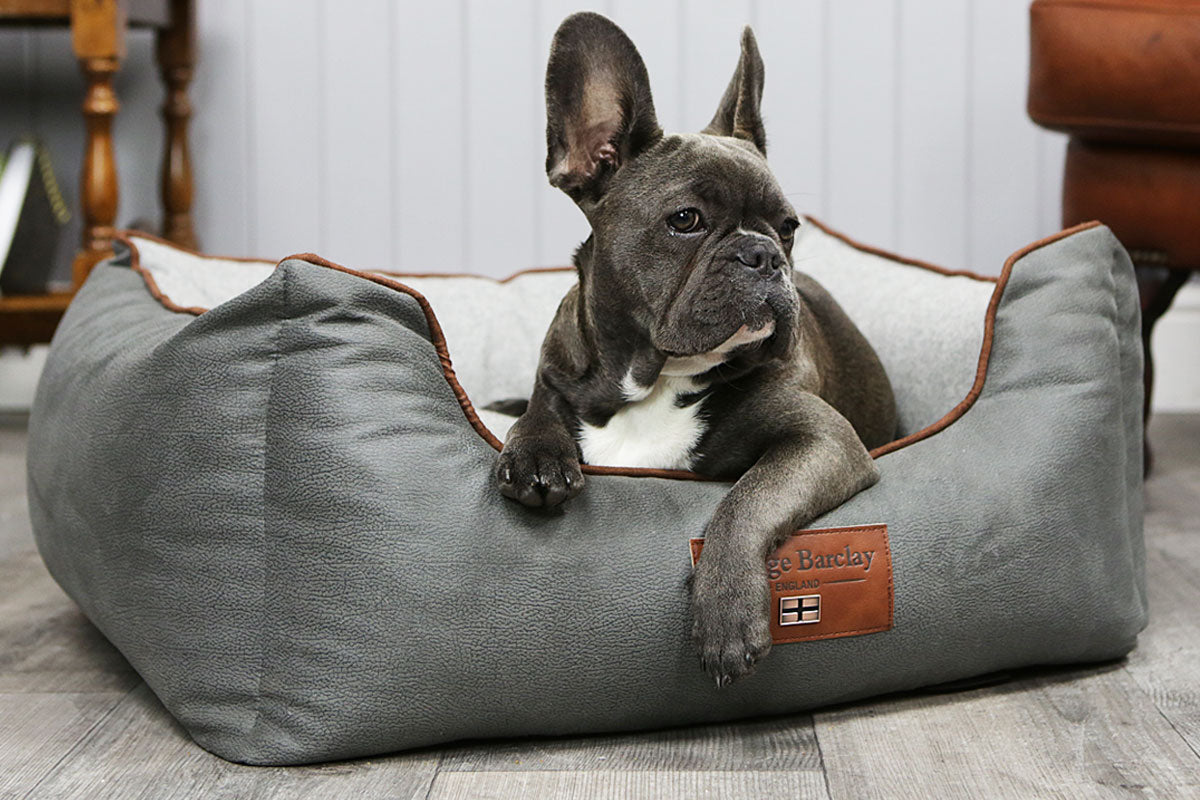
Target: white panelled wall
{"points": [[410, 135]]}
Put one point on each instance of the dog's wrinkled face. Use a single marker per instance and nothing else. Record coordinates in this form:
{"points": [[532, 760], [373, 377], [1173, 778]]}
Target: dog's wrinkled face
{"points": [[691, 235], [699, 232]]}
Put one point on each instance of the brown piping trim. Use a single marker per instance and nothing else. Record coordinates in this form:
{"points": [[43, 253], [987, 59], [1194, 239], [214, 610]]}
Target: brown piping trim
{"points": [[439, 339], [518, 274], [912, 262], [158, 294], [646, 472], [985, 353], [128, 237]]}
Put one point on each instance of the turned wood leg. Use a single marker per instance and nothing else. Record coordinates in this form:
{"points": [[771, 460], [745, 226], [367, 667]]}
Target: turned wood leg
{"points": [[1157, 287], [98, 38], [176, 55]]}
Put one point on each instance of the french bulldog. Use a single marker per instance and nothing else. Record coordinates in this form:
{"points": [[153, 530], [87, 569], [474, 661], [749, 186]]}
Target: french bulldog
{"points": [[689, 341]]}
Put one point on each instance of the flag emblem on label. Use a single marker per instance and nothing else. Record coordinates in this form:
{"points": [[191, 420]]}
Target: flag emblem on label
{"points": [[801, 610]]}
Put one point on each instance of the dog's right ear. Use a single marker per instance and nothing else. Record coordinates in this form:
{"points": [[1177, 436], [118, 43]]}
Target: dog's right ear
{"points": [[599, 112]]}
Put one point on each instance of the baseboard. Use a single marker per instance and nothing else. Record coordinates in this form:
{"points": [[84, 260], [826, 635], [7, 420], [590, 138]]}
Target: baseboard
{"points": [[19, 371], [1176, 348]]}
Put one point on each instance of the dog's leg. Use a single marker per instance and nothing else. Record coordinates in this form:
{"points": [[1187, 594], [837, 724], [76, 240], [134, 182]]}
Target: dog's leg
{"points": [[539, 465], [816, 462]]}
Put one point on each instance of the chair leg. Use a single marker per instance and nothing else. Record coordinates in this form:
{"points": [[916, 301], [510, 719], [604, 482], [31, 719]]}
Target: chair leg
{"points": [[176, 56], [98, 38], [1157, 287]]}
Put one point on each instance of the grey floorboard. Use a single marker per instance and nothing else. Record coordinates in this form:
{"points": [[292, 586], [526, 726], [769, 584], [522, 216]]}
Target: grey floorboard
{"points": [[608, 785], [14, 518], [1166, 665], [139, 752], [76, 721], [39, 730], [61, 651], [1075, 734], [782, 744]]}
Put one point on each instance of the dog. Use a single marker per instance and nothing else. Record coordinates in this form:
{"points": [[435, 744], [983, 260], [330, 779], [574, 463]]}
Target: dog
{"points": [[689, 342]]}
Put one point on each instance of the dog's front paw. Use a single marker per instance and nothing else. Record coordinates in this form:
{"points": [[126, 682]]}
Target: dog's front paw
{"points": [[536, 472], [730, 621]]}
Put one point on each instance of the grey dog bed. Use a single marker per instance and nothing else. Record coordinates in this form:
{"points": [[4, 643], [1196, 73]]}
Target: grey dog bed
{"points": [[282, 510]]}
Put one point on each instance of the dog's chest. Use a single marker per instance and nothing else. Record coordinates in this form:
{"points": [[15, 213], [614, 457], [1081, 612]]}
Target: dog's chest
{"points": [[656, 430]]}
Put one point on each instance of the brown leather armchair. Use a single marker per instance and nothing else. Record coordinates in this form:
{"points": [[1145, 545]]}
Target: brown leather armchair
{"points": [[1122, 77]]}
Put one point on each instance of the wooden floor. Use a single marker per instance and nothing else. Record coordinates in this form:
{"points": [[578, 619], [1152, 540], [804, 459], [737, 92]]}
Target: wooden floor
{"points": [[76, 721]]}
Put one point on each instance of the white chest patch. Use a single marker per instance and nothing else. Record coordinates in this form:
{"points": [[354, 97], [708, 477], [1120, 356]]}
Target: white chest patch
{"points": [[651, 432]]}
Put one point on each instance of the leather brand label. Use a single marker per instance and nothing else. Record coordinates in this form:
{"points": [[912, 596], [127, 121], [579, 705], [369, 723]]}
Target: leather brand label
{"points": [[828, 583]]}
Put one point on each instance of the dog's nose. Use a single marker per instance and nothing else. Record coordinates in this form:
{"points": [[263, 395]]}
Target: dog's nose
{"points": [[761, 256]]}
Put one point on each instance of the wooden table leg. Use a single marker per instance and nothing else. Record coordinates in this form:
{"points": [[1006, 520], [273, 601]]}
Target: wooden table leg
{"points": [[176, 54], [98, 38]]}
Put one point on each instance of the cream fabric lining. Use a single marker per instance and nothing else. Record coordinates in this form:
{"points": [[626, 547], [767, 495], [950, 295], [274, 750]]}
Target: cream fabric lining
{"points": [[927, 327]]}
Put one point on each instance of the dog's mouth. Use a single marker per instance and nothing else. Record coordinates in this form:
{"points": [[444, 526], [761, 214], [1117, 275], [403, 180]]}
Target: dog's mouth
{"points": [[681, 365], [746, 335]]}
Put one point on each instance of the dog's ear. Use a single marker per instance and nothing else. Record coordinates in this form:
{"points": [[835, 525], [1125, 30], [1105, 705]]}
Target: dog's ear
{"points": [[599, 113], [740, 112]]}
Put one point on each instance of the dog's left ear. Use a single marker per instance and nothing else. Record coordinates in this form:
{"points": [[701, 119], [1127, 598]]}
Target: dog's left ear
{"points": [[599, 112], [740, 112]]}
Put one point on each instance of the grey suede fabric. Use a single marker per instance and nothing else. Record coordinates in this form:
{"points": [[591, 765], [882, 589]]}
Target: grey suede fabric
{"points": [[280, 515]]}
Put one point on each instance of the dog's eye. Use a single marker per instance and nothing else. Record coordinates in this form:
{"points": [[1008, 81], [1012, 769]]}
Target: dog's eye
{"points": [[686, 220], [788, 229]]}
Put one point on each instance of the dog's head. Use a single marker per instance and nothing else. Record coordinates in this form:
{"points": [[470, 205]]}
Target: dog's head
{"points": [[691, 234]]}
